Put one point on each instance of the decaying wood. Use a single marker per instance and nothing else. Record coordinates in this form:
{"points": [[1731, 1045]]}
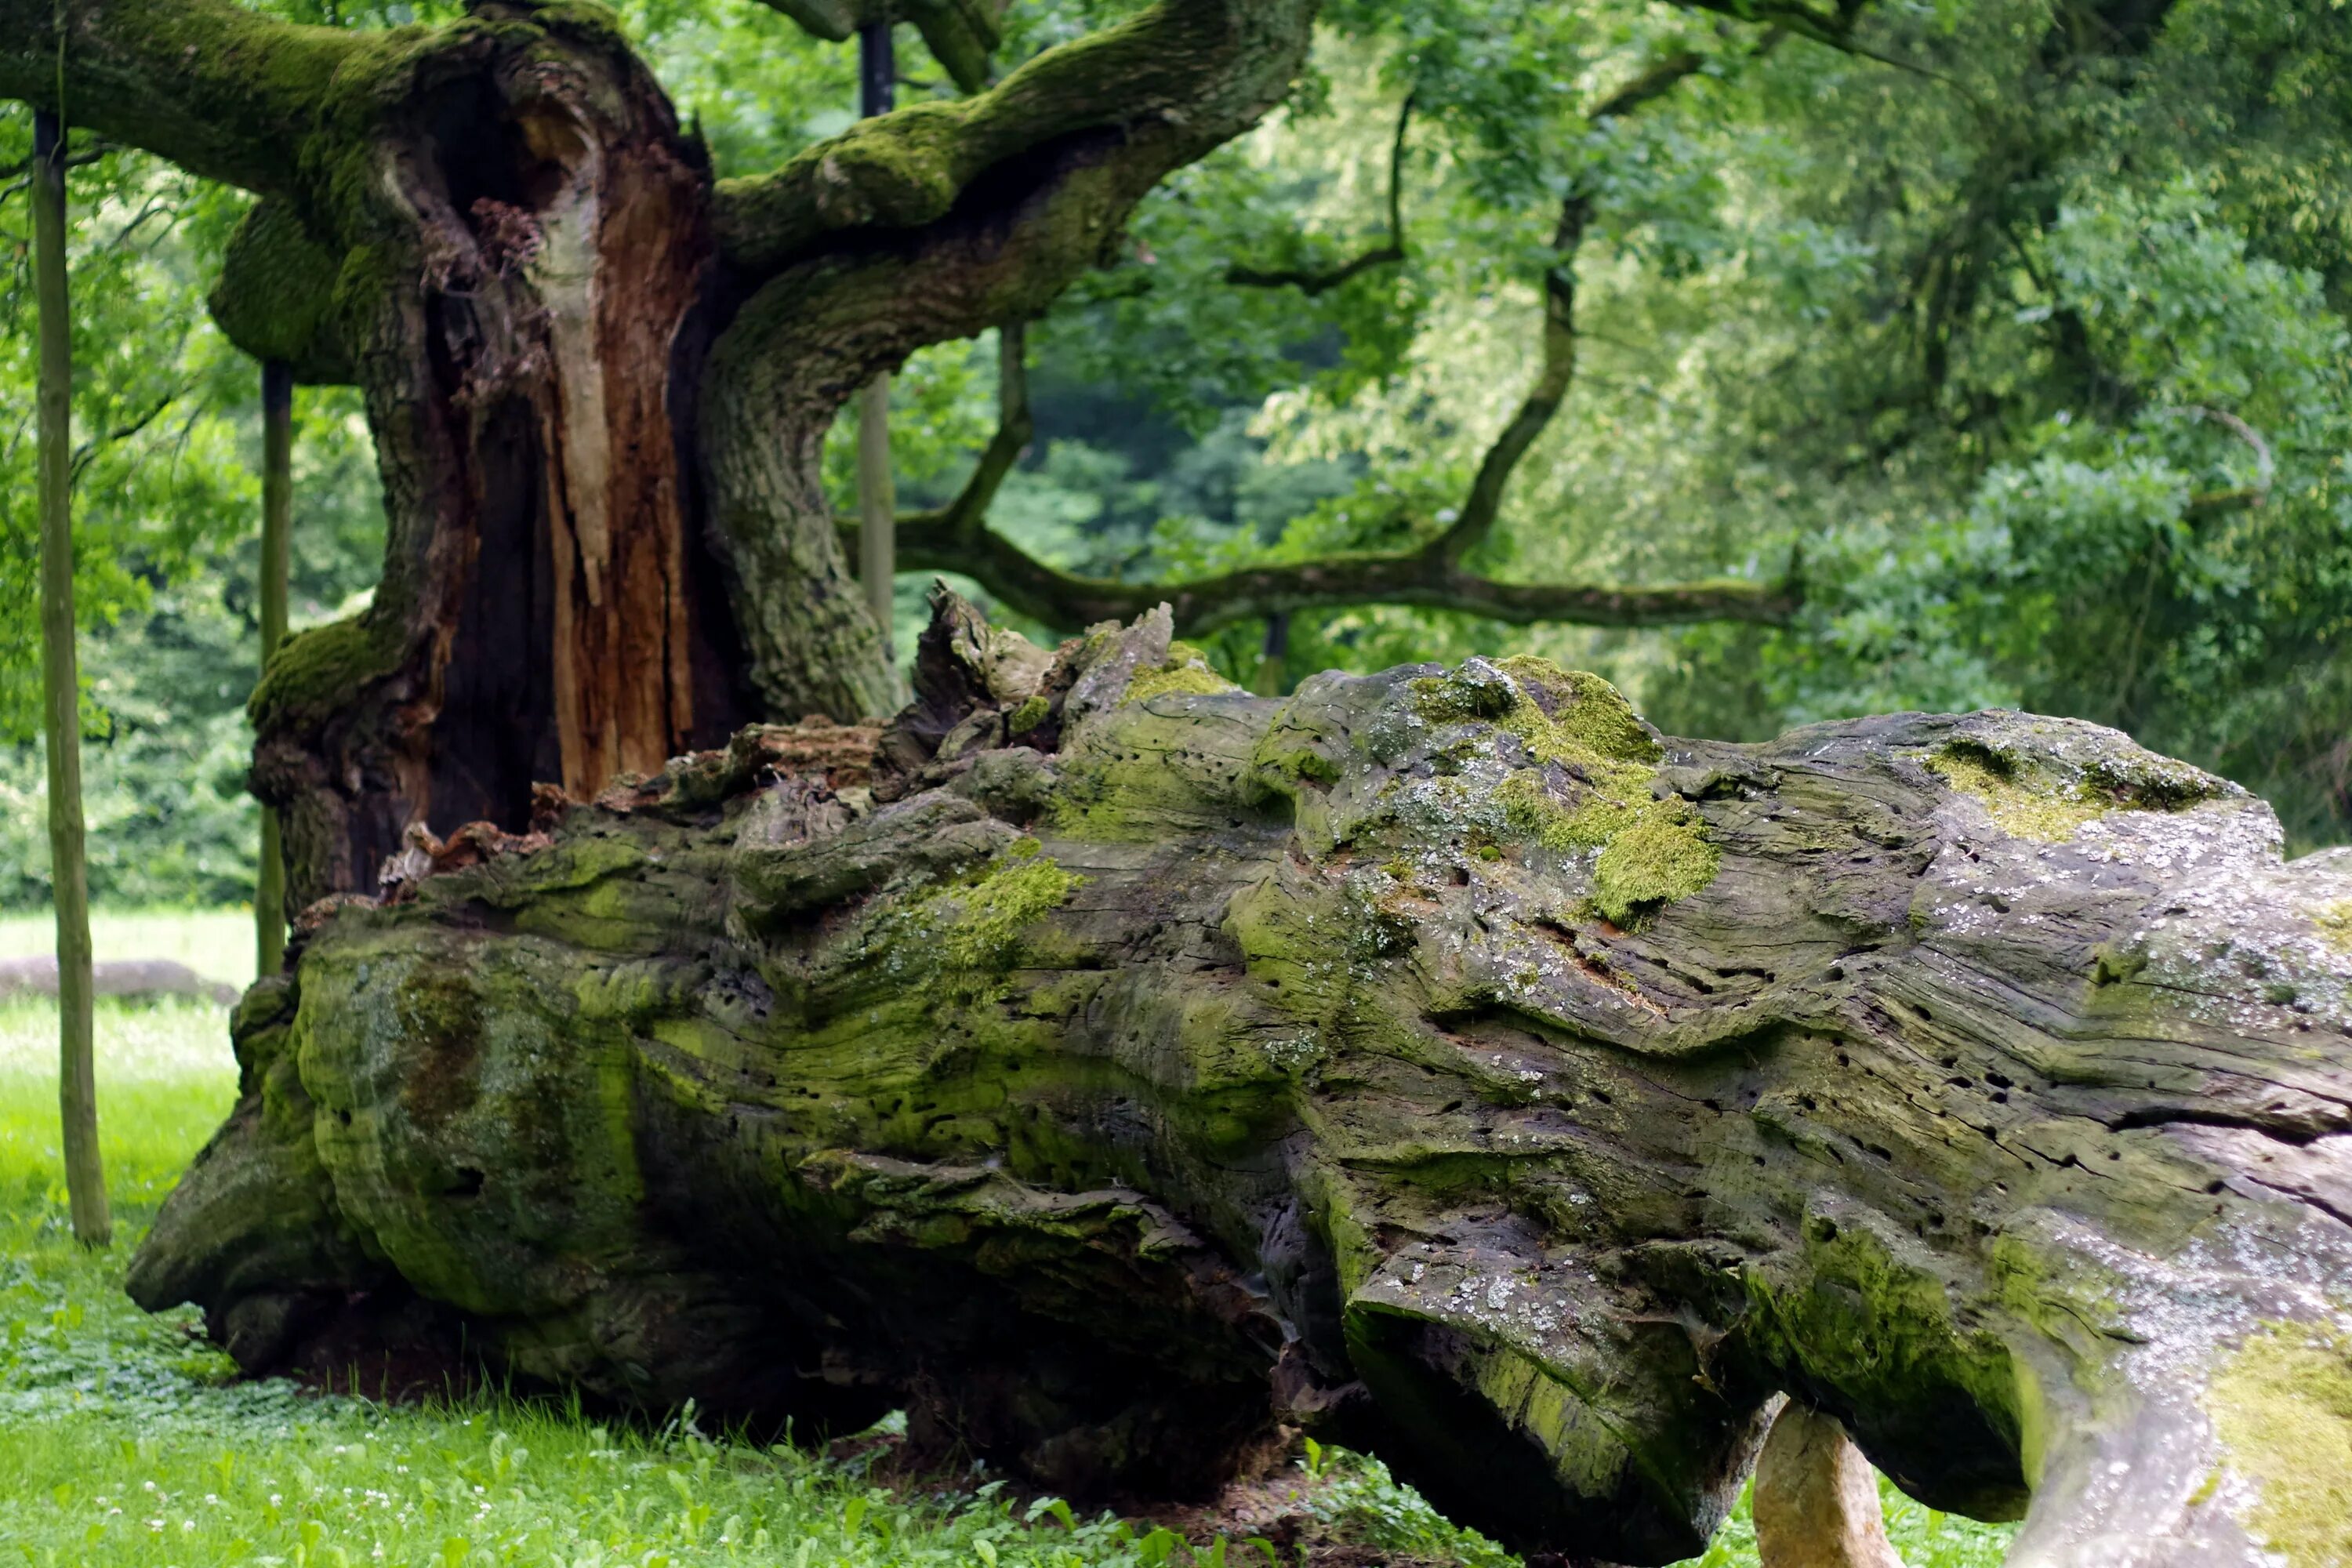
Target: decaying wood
{"points": [[1107, 1065]]}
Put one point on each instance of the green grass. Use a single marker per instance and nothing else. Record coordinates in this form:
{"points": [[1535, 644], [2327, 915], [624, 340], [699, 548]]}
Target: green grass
{"points": [[123, 1440]]}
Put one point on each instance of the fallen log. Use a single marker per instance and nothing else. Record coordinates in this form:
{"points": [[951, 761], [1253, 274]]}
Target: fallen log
{"points": [[1110, 1064], [143, 979]]}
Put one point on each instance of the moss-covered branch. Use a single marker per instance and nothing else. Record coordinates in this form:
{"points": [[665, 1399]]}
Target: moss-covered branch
{"points": [[936, 223], [1185, 73], [210, 85]]}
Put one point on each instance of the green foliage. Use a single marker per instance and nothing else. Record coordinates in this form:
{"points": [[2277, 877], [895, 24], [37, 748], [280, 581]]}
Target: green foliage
{"points": [[2031, 341], [156, 476]]}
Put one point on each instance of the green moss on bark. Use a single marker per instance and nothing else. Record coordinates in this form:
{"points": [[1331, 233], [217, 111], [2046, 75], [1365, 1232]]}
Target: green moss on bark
{"points": [[1186, 670], [2023, 778], [1653, 850], [2282, 1407], [1663, 855], [316, 672]]}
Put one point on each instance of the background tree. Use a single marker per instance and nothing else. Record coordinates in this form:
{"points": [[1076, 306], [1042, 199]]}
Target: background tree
{"points": [[61, 692]]}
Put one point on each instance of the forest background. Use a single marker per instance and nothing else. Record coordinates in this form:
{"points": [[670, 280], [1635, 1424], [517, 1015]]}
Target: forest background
{"points": [[2017, 332]]}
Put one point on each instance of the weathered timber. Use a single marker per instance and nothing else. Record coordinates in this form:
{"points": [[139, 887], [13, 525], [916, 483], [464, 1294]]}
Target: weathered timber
{"points": [[1110, 1064]]}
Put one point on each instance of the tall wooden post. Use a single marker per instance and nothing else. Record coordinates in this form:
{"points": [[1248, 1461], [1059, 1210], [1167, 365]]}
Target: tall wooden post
{"points": [[61, 688], [1274, 655], [877, 495], [277, 518]]}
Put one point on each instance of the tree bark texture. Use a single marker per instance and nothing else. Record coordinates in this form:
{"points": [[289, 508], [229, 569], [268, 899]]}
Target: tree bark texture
{"points": [[1109, 1064], [61, 694]]}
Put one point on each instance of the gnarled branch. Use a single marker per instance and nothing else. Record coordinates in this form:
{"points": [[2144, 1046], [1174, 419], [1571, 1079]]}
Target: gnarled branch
{"points": [[223, 93], [1186, 74], [928, 224], [957, 538]]}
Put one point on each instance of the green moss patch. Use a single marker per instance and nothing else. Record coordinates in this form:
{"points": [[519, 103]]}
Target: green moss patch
{"points": [[2335, 922], [1186, 670], [1027, 716], [1653, 851], [2030, 799], [2023, 804], [979, 926], [2282, 1407], [1663, 855], [1576, 715], [315, 673]]}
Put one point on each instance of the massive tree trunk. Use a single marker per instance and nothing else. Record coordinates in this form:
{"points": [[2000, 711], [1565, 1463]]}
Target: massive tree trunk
{"points": [[599, 379], [1108, 1066]]}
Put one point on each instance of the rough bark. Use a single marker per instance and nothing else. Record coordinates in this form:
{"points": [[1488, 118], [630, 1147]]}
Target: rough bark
{"points": [[497, 231], [1108, 1065]]}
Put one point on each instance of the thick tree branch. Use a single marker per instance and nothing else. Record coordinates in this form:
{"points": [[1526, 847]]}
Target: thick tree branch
{"points": [[219, 90], [928, 542], [1185, 73], [957, 538], [1312, 282], [928, 224]]}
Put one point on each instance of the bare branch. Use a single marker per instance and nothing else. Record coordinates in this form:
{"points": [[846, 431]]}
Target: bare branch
{"points": [[1312, 282], [1484, 505], [1064, 599], [89, 450], [956, 538]]}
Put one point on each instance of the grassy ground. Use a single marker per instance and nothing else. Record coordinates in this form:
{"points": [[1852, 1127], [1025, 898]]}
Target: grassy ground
{"points": [[124, 1441]]}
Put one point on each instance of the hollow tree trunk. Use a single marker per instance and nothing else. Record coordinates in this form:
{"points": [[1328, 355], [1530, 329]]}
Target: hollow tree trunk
{"points": [[1109, 1064], [510, 269]]}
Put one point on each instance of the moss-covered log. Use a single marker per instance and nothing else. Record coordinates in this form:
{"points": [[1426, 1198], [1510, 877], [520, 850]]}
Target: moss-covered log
{"points": [[1109, 1064]]}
